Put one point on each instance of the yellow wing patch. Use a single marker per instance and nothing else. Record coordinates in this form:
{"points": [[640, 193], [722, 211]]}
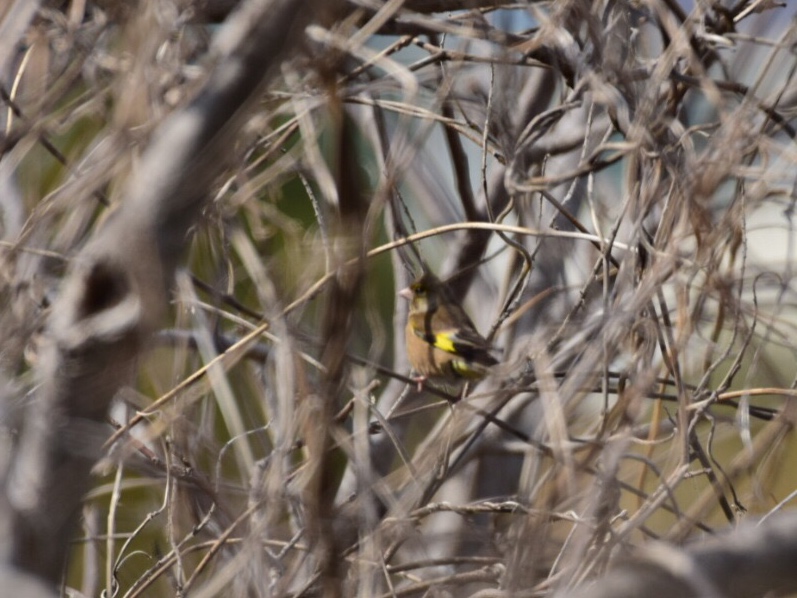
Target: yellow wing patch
{"points": [[443, 342], [464, 370]]}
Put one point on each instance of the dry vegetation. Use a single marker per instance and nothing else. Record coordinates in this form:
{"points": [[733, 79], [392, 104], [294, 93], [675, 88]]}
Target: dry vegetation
{"points": [[205, 220]]}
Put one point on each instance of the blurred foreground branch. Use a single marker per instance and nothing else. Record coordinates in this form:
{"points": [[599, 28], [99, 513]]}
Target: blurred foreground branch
{"points": [[110, 304], [757, 559]]}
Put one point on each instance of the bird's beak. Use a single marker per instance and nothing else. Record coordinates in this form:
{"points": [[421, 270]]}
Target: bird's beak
{"points": [[406, 293]]}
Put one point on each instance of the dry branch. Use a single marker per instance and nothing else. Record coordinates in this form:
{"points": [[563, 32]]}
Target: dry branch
{"points": [[110, 304], [757, 559]]}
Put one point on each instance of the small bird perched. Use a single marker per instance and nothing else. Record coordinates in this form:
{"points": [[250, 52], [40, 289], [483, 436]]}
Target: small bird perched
{"points": [[442, 342]]}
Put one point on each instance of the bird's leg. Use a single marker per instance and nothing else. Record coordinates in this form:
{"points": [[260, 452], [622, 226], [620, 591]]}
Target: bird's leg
{"points": [[419, 380]]}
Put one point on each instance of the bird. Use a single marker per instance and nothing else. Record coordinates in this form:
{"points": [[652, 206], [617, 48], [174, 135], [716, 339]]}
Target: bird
{"points": [[442, 342]]}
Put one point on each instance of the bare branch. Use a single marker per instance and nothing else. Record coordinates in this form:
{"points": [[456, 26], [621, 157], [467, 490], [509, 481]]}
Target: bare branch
{"points": [[110, 304], [754, 560]]}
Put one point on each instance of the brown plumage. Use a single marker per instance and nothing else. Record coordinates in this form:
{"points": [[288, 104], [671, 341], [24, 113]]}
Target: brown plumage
{"points": [[442, 342]]}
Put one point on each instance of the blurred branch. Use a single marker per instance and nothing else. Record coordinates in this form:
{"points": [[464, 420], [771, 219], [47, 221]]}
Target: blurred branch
{"points": [[117, 290], [754, 560], [14, 20]]}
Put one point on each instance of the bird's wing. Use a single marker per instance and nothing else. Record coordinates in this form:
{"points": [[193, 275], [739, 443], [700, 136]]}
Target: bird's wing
{"points": [[462, 341]]}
